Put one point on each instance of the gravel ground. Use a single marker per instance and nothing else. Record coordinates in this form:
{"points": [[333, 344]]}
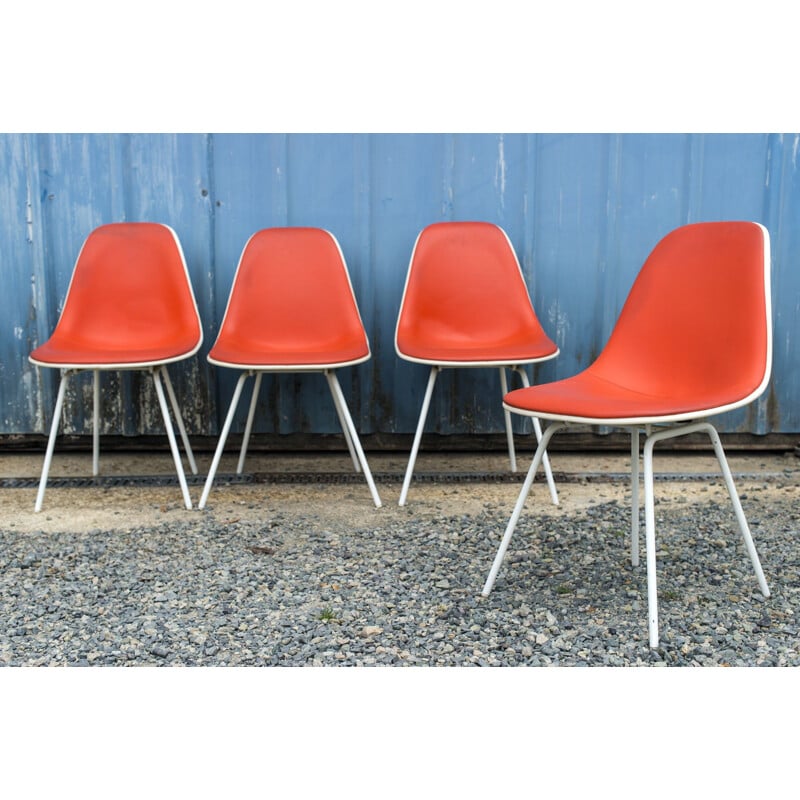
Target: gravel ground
{"points": [[315, 576]]}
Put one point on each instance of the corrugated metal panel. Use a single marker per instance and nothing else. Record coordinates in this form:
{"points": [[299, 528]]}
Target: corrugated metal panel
{"points": [[582, 210]]}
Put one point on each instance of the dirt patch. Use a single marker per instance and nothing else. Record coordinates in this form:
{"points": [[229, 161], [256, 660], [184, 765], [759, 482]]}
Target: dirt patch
{"points": [[337, 504], [582, 479]]}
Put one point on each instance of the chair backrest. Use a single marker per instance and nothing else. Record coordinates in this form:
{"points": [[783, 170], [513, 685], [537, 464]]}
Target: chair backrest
{"points": [[292, 294], [697, 322], [464, 285], [131, 289]]}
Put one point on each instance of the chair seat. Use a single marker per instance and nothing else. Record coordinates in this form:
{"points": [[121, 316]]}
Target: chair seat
{"points": [[280, 355], [63, 352], [591, 399], [483, 353]]}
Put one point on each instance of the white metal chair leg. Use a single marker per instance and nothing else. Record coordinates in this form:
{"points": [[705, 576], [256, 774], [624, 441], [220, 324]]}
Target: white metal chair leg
{"points": [[537, 429], [737, 507], [418, 435], [512, 457], [345, 430], [96, 422], [222, 437], [338, 397], [526, 488], [682, 430], [173, 444], [635, 497], [650, 540], [249, 426], [51, 441], [179, 419]]}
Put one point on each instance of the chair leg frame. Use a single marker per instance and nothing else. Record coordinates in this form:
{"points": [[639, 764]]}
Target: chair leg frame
{"points": [[178, 418], [512, 456], [173, 444], [96, 422], [156, 372], [51, 440], [650, 546], [426, 401], [223, 436], [249, 426], [343, 423], [351, 436], [523, 495], [435, 370], [634, 497]]}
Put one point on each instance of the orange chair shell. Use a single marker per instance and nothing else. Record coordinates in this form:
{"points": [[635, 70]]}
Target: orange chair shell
{"points": [[692, 338], [129, 303], [291, 306], [465, 301]]}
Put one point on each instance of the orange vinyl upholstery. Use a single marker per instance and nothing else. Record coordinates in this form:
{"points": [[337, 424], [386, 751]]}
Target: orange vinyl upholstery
{"points": [[466, 301], [692, 336], [291, 305], [129, 302]]}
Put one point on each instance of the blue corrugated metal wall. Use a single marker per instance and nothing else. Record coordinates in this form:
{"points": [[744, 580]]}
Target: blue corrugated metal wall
{"points": [[582, 210]]}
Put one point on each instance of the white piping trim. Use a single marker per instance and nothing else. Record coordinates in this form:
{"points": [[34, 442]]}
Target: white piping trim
{"points": [[480, 363], [288, 367]]}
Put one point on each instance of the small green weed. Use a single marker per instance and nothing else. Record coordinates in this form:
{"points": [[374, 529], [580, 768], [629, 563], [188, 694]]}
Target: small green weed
{"points": [[327, 614]]}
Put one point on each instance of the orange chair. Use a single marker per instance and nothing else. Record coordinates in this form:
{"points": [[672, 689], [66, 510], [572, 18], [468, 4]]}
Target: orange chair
{"points": [[465, 304], [693, 340], [291, 309], [129, 306]]}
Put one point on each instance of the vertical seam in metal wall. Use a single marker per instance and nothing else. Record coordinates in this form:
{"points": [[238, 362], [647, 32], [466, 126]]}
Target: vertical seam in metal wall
{"points": [[773, 186], [611, 235], [447, 385], [610, 267], [116, 175], [365, 392], [41, 290], [529, 206], [282, 394], [116, 195], [693, 191], [448, 172], [211, 323]]}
